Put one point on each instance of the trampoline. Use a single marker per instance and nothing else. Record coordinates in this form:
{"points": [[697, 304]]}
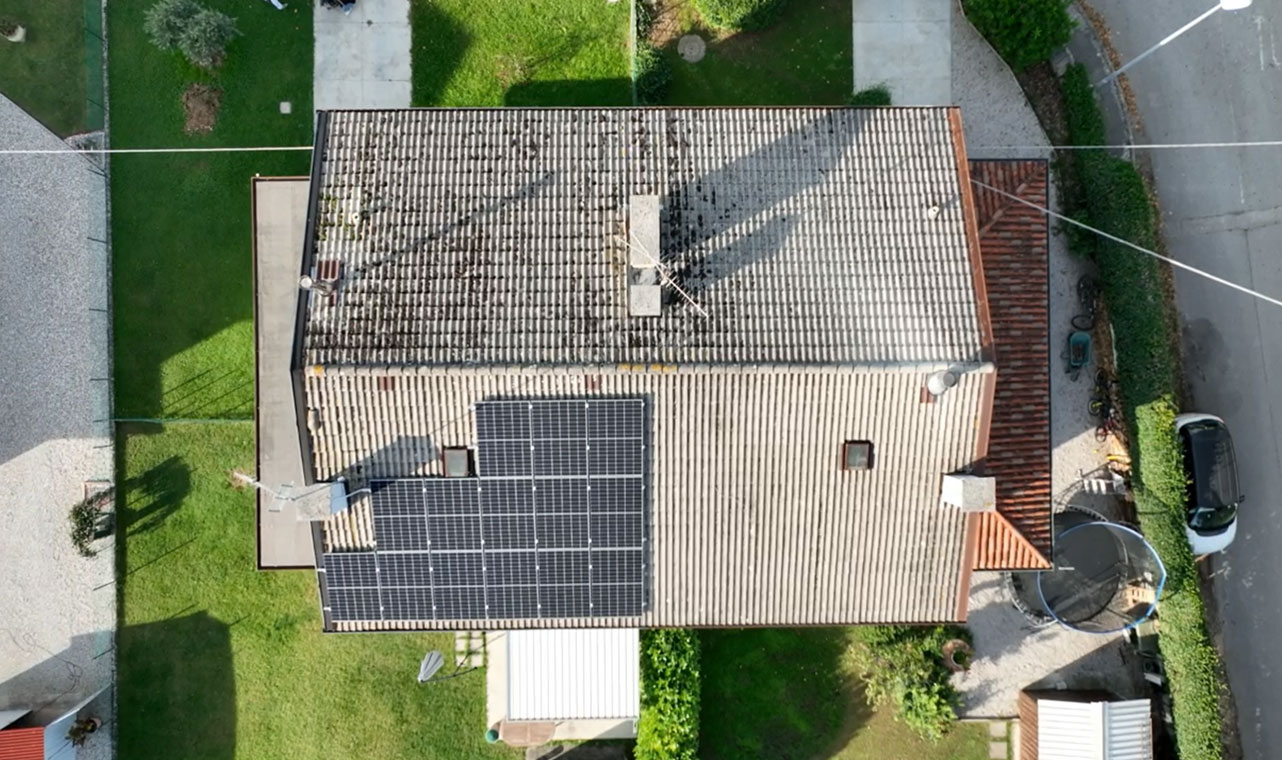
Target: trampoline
{"points": [[1107, 578]]}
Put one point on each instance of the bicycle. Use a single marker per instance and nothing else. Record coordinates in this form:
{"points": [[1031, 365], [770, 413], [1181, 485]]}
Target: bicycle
{"points": [[1088, 298]]}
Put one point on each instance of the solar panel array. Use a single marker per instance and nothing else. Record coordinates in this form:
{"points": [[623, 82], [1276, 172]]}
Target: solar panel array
{"points": [[552, 526]]}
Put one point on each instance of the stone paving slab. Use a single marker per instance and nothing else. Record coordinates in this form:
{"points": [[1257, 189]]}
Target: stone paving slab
{"points": [[906, 46], [362, 59]]}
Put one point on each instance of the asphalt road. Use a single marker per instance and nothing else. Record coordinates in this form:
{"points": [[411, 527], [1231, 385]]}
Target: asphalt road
{"points": [[1222, 81]]}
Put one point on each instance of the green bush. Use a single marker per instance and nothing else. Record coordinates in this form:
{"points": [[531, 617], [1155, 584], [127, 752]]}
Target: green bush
{"points": [[1115, 199], [669, 725], [653, 75], [87, 519], [904, 666], [199, 33], [739, 15], [872, 96], [1023, 32]]}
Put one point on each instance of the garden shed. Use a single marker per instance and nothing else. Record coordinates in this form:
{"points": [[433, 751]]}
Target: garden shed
{"points": [[1084, 725]]}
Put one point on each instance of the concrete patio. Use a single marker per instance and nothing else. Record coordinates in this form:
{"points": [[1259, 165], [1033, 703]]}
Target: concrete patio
{"points": [[362, 58], [906, 46]]}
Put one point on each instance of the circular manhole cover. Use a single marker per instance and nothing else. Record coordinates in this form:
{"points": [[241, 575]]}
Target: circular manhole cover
{"points": [[691, 48]]}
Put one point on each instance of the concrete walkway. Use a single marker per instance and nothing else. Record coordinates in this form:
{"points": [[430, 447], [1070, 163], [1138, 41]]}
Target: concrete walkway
{"points": [[363, 58], [906, 46]]}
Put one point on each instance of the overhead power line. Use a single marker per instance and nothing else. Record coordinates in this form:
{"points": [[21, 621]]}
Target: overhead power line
{"points": [[1129, 244], [118, 151], [1136, 146]]}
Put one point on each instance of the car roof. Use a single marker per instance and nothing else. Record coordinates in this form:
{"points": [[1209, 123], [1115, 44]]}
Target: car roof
{"points": [[1213, 465]]}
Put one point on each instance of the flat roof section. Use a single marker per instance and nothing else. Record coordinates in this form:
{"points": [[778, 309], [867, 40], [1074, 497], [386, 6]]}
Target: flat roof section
{"points": [[571, 684], [280, 215]]}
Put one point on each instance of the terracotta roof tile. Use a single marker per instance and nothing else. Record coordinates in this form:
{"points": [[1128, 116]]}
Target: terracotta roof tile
{"points": [[22, 744], [1013, 243]]}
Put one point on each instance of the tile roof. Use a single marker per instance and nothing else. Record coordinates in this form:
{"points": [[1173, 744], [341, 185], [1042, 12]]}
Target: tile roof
{"points": [[752, 520], [498, 236], [1014, 246], [22, 744]]}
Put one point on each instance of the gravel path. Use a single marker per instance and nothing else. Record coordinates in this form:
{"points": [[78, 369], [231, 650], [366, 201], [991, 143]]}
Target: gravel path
{"points": [[1010, 654], [58, 622]]}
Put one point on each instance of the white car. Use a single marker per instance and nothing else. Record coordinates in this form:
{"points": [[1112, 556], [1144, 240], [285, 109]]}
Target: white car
{"points": [[1211, 467]]}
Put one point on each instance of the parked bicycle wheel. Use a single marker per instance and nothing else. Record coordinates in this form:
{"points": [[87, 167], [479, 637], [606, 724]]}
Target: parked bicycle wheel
{"points": [[1085, 322], [1100, 407]]}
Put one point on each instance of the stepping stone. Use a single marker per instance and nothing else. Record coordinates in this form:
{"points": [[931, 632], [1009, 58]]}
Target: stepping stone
{"points": [[286, 107], [997, 729], [997, 751], [692, 48]]}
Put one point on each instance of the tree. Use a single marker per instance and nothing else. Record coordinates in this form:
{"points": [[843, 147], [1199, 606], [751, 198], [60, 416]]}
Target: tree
{"points": [[199, 33]]}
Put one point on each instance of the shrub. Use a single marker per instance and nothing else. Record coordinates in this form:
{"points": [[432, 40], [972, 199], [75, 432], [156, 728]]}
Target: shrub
{"points": [[739, 15], [872, 96], [904, 666], [669, 725], [1115, 199], [197, 32], [86, 518], [653, 75], [1023, 32]]}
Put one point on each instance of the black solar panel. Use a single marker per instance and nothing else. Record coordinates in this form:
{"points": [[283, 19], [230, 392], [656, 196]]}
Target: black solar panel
{"points": [[552, 526]]}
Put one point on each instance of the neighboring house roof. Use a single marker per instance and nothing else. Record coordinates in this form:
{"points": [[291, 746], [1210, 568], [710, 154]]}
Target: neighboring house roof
{"points": [[1013, 239], [22, 743], [482, 254], [573, 675], [499, 236]]}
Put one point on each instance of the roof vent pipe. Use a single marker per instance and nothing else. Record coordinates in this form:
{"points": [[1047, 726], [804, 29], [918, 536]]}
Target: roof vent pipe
{"points": [[938, 383], [324, 287]]}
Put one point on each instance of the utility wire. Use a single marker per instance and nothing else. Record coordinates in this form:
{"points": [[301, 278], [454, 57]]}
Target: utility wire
{"points": [[118, 151], [1129, 244], [299, 148], [1136, 146]]}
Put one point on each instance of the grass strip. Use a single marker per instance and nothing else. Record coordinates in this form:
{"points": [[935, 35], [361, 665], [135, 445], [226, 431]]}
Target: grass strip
{"points": [[1115, 199]]}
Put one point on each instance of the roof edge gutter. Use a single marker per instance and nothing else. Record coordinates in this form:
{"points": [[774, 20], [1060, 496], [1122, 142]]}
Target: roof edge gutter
{"points": [[874, 368]]}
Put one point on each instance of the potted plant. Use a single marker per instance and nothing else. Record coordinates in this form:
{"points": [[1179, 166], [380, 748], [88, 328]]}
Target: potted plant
{"points": [[12, 30], [90, 521], [81, 729]]}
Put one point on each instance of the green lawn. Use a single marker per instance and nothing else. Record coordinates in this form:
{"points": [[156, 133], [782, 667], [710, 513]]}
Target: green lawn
{"points": [[46, 74], [802, 59], [220, 661], [791, 694], [520, 53], [181, 222]]}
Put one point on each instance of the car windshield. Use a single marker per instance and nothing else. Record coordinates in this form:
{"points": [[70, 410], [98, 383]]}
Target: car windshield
{"points": [[1213, 492]]}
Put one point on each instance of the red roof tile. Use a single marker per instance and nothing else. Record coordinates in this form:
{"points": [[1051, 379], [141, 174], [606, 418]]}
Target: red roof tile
{"points": [[22, 744], [1013, 241]]}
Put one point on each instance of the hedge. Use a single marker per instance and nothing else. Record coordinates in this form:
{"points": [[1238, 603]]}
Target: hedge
{"points": [[904, 666], [871, 96], [739, 15], [1023, 32], [1114, 198], [653, 75], [669, 725]]}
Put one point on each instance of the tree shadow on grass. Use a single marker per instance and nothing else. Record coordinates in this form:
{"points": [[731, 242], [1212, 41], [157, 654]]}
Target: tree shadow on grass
{"points": [[776, 692], [151, 497], [439, 43], [570, 92], [176, 689]]}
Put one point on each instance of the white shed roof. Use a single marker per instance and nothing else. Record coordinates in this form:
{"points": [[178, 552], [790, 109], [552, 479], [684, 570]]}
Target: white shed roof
{"points": [[1094, 730], [575, 674]]}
